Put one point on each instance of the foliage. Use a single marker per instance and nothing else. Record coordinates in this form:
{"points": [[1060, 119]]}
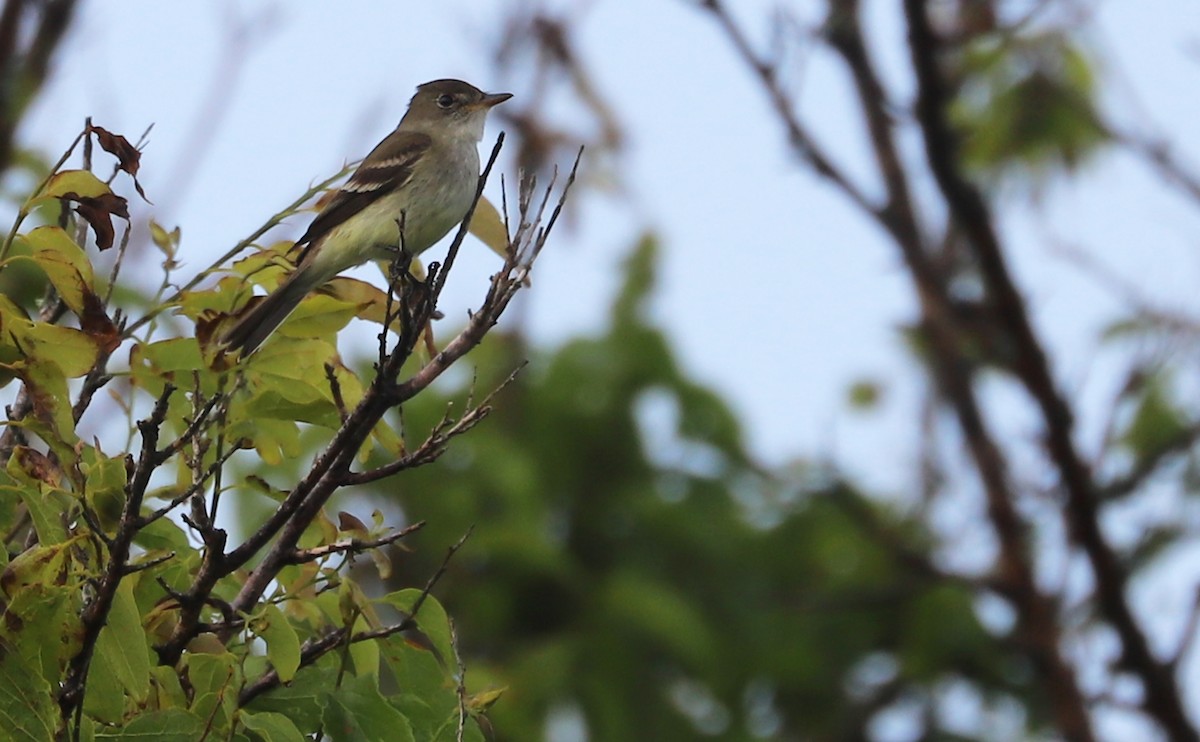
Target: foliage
{"points": [[128, 608]]}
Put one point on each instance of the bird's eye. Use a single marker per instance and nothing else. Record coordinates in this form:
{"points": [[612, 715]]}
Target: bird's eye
{"points": [[445, 101]]}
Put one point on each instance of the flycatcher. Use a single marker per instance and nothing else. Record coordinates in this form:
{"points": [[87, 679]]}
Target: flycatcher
{"points": [[423, 175]]}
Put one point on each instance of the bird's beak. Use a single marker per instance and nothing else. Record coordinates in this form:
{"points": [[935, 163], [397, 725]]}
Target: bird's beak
{"points": [[493, 99]]}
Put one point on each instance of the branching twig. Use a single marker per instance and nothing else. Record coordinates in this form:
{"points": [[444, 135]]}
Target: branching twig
{"points": [[435, 443], [95, 615], [352, 545], [314, 649]]}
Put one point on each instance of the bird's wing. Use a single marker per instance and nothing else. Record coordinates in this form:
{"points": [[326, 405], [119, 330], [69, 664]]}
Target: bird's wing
{"points": [[388, 167]]}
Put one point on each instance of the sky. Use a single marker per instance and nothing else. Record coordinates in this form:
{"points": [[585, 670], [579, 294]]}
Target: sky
{"points": [[253, 101], [773, 289]]}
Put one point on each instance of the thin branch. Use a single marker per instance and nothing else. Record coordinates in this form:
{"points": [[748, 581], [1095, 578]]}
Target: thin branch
{"points": [[435, 443], [352, 545], [314, 649], [801, 139], [95, 615]]}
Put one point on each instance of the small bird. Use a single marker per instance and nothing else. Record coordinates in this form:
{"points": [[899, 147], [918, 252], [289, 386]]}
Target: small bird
{"points": [[424, 175]]}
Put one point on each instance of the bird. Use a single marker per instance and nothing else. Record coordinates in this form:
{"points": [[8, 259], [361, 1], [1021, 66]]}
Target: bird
{"points": [[423, 175]]}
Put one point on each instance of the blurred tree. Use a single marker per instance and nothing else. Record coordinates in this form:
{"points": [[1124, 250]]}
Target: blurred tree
{"points": [[633, 575]]}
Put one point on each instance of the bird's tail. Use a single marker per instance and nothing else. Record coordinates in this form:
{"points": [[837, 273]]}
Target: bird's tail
{"points": [[257, 325]]}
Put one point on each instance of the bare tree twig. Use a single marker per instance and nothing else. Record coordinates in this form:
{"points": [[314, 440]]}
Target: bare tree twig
{"points": [[352, 545]]}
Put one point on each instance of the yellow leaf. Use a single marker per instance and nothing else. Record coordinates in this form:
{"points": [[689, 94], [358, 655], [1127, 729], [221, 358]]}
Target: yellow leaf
{"points": [[80, 182], [487, 225]]}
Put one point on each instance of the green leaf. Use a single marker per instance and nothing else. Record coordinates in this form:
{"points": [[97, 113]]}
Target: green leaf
{"points": [[46, 508], [64, 263], [47, 387], [166, 241], [71, 350], [168, 725], [357, 712], [216, 679], [168, 691], [271, 727], [104, 698], [1157, 423], [122, 645], [283, 645], [432, 620], [304, 699], [28, 712]]}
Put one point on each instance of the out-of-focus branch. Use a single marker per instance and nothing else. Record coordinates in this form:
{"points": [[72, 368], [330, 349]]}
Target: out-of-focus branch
{"points": [[971, 214], [25, 58], [798, 134], [1037, 613]]}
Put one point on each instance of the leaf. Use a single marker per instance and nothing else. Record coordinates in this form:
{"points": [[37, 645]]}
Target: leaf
{"points": [[166, 241], [357, 711], [432, 630], [81, 183], [37, 466], [283, 645], [271, 727], [47, 507], [99, 211], [349, 523], [27, 707], [216, 678], [63, 262], [42, 623], [122, 645], [168, 725], [1158, 422], [488, 227], [128, 156], [50, 397], [304, 699], [73, 351]]}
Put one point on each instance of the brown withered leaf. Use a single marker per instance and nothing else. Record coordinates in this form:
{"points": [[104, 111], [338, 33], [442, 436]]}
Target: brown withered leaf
{"points": [[128, 157], [99, 211], [96, 323]]}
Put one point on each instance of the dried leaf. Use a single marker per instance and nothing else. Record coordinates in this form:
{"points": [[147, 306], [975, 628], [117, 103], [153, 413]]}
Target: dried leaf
{"points": [[98, 211], [128, 157]]}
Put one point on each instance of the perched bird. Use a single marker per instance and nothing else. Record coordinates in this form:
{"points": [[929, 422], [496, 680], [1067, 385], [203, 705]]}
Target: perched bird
{"points": [[423, 175]]}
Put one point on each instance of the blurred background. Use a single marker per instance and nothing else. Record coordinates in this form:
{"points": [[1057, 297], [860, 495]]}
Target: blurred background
{"points": [[734, 495]]}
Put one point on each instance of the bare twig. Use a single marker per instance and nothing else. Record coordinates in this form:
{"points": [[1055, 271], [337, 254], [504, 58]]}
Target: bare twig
{"points": [[353, 545]]}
